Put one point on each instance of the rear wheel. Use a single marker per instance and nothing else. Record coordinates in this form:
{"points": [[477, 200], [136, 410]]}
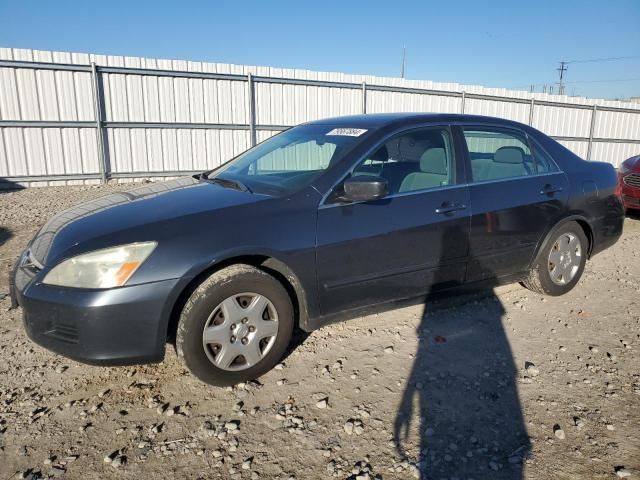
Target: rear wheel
{"points": [[235, 326], [560, 263]]}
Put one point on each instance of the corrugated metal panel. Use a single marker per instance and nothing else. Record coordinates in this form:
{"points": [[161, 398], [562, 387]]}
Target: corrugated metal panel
{"points": [[169, 149], [47, 151], [614, 153], [293, 104], [15, 152], [579, 148], [38, 94], [383, 102], [618, 125], [512, 111], [263, 135], [9, 106], [565, 122]]}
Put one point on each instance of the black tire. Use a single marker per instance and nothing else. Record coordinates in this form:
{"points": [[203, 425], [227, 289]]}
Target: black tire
{"points": [[221, 285], [539, 279]]}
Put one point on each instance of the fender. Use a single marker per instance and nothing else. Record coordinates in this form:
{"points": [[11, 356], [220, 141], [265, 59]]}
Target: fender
{"points": [[271, 261], [302, 308], [582, 220]]}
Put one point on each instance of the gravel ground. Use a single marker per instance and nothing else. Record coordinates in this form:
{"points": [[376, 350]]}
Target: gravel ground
{"points": [[507, 385]]}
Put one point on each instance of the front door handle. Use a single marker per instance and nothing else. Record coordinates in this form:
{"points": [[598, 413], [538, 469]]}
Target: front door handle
{"points": [[550, 190], [450, 208]]}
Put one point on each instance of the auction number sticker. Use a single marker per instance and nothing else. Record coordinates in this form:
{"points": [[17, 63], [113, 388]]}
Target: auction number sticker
{"points": [[347, 132]]}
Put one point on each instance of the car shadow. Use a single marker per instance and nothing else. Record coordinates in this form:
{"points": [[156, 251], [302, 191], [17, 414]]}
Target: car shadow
{"points": [[7, 185], [461, 397], [633, 214]]}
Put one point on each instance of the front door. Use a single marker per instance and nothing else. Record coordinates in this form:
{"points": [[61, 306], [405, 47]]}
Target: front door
{"points": [[406, 244]]}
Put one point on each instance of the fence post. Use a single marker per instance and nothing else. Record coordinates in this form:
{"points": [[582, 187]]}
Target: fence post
{"points": [[533, 104], [251, 100], [462, 102], [101, 134], [364, 97], [591, 130]]}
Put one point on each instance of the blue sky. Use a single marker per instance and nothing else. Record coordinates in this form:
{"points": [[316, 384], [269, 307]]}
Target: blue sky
{"points": [[497, 43]]}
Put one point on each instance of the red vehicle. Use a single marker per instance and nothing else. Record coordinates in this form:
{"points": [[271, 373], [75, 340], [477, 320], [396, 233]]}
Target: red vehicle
{"points": [[629, 182]]}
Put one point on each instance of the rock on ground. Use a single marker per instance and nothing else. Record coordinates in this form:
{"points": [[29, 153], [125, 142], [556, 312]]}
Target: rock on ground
{"points": [[469, 387]]}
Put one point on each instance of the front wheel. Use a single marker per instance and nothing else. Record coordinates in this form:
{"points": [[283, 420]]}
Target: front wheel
{"points": [[235, 326], [560, 263]]}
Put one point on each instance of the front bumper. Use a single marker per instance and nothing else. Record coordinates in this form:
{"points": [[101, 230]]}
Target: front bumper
{"points": [[630, 195], [120, 326]]}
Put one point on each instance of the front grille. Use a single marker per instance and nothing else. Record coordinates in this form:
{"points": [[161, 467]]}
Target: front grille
{"points": [[631, 200], [633, 180]]}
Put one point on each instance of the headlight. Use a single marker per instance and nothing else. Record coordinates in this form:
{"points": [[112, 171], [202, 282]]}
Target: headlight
{"points": [[107, 268]]}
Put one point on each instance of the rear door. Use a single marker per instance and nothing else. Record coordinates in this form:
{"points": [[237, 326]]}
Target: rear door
{"points": [[406, 244], [516, 192]]}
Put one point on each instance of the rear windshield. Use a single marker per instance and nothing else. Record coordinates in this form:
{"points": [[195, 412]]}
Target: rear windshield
{"points": [[291, 160]]}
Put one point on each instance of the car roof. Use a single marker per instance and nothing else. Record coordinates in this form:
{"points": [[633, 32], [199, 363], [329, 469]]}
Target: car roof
{"points": [[377, 120]]}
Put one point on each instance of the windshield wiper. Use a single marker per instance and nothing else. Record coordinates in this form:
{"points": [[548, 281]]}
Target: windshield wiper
{"points": [[226, 183]]}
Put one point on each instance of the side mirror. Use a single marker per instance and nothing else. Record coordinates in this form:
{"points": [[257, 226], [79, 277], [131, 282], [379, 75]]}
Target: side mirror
{"points": [[364, 188]]}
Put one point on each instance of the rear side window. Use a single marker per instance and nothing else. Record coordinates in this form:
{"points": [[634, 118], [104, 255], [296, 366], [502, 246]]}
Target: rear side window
{"points": [[544, 163], [497, 154]]}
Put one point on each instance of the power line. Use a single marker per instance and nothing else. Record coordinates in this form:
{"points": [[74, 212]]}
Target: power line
{"points": [[606, 59], [607, 81], [564, 67], [580, 81]]}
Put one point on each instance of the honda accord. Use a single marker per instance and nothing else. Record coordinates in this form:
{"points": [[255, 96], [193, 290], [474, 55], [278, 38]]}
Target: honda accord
{"points": [[306, 228]]}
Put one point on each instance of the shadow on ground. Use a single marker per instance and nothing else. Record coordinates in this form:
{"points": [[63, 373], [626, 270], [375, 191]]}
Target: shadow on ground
{"points": [[5, 234], [7, 185], [633, 214], [461, 395]]}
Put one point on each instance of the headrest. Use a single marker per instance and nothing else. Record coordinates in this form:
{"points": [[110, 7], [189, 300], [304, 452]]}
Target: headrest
{"points": [[434, 160], [514, 155], [380, 155]]}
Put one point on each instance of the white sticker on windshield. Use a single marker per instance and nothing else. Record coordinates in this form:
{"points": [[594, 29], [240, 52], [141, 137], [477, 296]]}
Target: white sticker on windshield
{"points": [[347, 132]]}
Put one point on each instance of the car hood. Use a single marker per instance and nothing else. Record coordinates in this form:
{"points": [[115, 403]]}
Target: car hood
{"points": [[91, 225], [633, 164]]}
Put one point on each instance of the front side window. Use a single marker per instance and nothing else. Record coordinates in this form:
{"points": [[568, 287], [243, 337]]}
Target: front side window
{"points": [[416, 160], [497, 154], [292, 160]]}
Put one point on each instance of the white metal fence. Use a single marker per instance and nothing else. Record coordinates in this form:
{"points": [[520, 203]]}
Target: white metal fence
{"points": [[83, 118]]}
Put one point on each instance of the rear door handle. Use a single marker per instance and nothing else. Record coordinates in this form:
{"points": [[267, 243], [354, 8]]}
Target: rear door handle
{"points": [[550, 190], [449, 208]]}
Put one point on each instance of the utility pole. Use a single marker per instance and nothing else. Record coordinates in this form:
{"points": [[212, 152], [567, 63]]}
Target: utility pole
{"points": [[562, 69], [404, 55]]}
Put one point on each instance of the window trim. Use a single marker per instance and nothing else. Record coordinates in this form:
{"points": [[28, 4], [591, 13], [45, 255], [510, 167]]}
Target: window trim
{"points": [[507, 179], [455, 162], [535, 145]]}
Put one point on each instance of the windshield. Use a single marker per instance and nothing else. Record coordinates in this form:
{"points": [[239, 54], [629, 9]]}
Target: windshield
{"points": [[291, 160]]}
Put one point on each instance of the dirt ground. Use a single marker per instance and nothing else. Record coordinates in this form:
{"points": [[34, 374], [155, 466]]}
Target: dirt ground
{"points": [[508, 385]]}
